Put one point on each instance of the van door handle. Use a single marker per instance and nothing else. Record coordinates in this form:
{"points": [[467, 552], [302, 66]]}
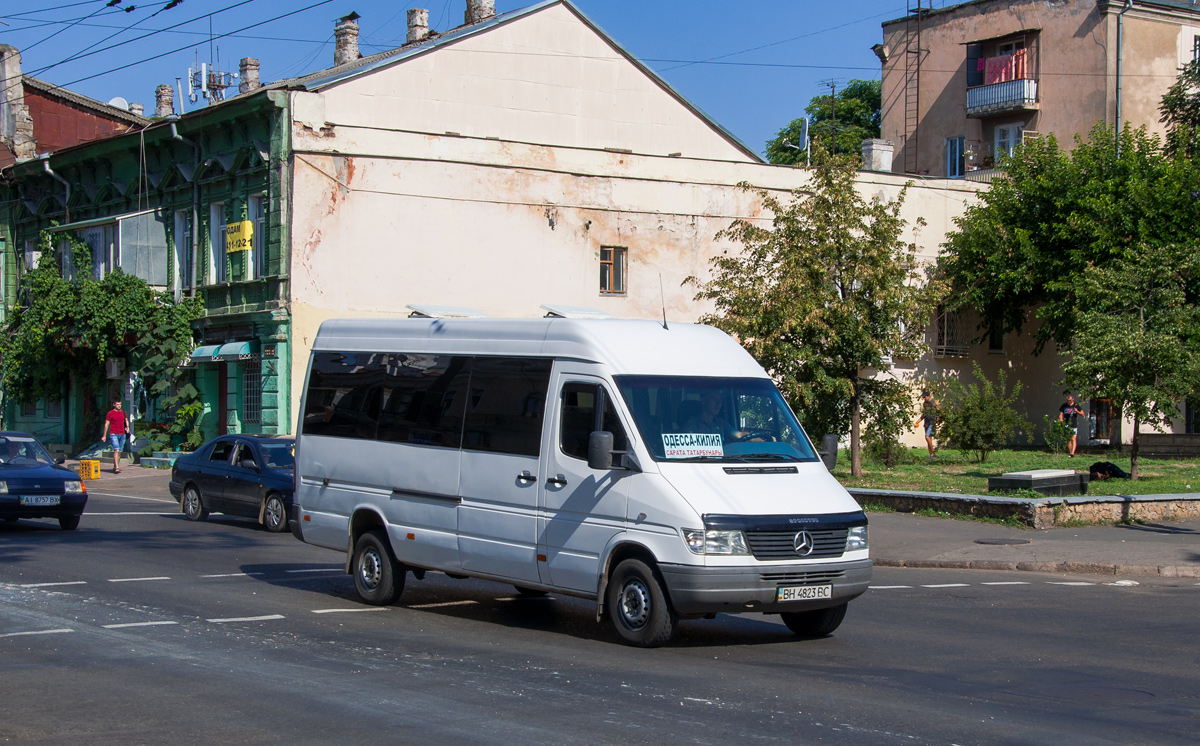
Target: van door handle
{"points": [[557, 481], [525, 476]]}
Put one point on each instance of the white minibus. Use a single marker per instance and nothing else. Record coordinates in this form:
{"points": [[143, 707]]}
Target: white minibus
{"points": [[654, 469]]}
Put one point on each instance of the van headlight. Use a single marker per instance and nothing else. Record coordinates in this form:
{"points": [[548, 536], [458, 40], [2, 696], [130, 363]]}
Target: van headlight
{"points": [[715, 542], [73, 487], [857, 538]]}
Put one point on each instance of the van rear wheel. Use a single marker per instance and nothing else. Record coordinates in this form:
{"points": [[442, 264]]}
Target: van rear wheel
{"points": [[638, 605], [378, 577], [815, 623]]}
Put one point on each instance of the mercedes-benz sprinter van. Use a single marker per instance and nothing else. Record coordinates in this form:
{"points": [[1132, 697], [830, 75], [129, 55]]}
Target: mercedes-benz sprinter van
{"points": [[654, 469]]}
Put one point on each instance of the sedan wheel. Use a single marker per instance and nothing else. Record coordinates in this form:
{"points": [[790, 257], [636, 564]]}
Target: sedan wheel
{"points": [[275, 514], [193, 505]]}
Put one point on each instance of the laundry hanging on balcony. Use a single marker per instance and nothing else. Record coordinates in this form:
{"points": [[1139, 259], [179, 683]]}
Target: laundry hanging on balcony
{"points": [[1006, 67]]}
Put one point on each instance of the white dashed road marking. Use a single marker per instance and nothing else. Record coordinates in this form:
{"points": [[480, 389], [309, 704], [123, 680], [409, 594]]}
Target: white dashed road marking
{"points": [[320, 569], [138, 624], [1008, 582], [131, 497], [444, 603], [348, 611], [233, 575], [135, 580], [887, 587], [36, 632], [947, 585], [265, 618], [94, 513], [51, 585], [1072, 582]]}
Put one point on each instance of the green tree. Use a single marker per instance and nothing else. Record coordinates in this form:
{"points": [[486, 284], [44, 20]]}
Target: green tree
{"points": [[823, 296], [853, 114], [1138, 341], [1180, 109], [67, 324], [979, 417], [1021, 250]]}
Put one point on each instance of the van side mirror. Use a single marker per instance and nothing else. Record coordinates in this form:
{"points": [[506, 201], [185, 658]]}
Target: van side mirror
{"points": [[600, 450], [828, 452]]}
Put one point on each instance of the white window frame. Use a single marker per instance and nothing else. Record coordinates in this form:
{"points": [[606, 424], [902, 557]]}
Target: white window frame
{"points": [[956, 157], [218, 265], [183, 251], [1007, 138], [257, 215]]}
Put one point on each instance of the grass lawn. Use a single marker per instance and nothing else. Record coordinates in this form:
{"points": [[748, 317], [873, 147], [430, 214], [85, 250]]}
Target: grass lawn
{"points": [[957, 471]]}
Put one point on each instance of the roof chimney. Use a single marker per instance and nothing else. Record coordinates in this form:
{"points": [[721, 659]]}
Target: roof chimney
{"points": [[418, 24], [877, 155], [479, 10], [345, 35], [137, 109], [164, 100], [248, 73]]}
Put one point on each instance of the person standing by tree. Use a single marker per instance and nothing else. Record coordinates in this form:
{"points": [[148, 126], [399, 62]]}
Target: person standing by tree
{"points": [[1069, 413], [116, 427], [929, 408]]}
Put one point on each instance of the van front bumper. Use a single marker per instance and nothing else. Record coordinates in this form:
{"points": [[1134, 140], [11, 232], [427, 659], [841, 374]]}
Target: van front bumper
{"points": [[734, 590]]}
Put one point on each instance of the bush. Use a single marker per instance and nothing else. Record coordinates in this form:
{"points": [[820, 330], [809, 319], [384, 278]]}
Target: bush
{"points": [[886, 451], [1057, 434], [980, 417]]}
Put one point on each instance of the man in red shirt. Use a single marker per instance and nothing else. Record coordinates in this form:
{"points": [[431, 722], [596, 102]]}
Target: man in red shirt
{"points": [[116, 426]]}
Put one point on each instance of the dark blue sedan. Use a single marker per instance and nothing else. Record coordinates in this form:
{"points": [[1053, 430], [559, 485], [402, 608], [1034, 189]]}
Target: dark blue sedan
{"points": [[242, 475], [32, 485]]}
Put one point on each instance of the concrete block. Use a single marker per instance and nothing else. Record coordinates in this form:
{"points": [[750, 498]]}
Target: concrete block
{"points": [[1088, 568], [992, 565], [1136, 570], [1038, 566]]}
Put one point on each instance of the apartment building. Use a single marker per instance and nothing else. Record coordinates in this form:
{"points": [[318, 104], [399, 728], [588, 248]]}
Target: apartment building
{"points": [[964, 84]]}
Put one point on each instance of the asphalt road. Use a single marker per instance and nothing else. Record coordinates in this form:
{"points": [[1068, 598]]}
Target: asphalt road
{"points": [[141, 627]]}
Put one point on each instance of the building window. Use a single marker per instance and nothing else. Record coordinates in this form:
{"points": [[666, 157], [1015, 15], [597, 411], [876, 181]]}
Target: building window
{"points": [[1100, 413], [29, 409], [54, 409], [252, 391], [66, 259], [257, 215], [612, 270], [32, 255], [1191, 415], [183, 249], [218, 266], [956, 165], [1196, 48], [1008, 137], [951, 338], [106, 252]]}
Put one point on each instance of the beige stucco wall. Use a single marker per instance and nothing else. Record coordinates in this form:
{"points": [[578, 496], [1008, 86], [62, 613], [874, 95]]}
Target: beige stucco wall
{"points": [[1075, 70]]}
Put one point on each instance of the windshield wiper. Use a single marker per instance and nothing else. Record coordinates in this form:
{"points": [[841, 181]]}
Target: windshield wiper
{"points": [[766, 457]]}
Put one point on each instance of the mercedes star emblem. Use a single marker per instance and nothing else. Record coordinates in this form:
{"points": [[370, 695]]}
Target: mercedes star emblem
{"points": [[803, 543]]}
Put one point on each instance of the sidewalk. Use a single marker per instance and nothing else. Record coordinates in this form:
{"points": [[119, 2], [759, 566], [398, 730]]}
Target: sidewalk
{"points": [[1165, 549]]}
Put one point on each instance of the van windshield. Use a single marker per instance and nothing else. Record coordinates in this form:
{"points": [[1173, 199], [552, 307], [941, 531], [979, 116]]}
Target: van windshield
{"points": [[733, 420]]}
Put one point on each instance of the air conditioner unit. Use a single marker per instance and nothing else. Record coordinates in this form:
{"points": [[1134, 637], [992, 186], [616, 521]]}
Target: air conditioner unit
{"points": [[114, 369]]}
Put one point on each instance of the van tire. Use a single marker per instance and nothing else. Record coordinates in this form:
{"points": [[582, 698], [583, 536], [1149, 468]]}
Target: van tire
{"points": [[817, 623], [638, 605], [378, 577]]}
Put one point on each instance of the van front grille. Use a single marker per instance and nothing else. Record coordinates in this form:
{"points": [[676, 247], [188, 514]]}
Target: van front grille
{"points": [[779, 545], [803, 578]]}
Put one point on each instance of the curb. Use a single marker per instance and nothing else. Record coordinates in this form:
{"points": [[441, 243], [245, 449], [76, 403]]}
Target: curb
{"points": [[1078, 568]]}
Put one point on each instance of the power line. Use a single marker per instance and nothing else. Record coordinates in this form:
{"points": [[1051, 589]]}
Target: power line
{"points": [[47, 10], [81, 53], [110, 4], [189, 46]]}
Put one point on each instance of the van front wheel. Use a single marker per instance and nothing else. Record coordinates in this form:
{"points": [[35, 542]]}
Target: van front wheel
{"points": [[815, 623], [378, 578], [638, 605]]}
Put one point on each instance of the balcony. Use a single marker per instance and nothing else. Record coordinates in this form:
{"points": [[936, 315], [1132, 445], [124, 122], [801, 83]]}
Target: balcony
{"points": [[999, 98]]}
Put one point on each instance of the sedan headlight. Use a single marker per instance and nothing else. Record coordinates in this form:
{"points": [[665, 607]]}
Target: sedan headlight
{"points": [[715, 542], [73, 487], [857, 538], [3, 487]]}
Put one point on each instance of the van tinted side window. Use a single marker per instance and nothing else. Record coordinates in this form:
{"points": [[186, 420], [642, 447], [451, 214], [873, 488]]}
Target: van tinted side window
{"points": [[506, 404], [424, 396], [344, 394], [579, 420]]}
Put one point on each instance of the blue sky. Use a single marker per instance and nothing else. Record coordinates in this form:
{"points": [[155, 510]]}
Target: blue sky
{"points": [[751, 65]]}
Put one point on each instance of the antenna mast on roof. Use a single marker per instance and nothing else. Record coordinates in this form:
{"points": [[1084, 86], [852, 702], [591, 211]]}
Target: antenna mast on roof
{"points": [[206, 79]]}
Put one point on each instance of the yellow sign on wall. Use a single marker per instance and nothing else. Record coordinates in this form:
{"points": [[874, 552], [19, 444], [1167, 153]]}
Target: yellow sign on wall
{"points": [[239, 236]]}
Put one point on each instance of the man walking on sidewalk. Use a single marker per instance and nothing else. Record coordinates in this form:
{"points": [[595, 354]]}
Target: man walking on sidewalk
{"points": [[1069, 413], [116, 426]]}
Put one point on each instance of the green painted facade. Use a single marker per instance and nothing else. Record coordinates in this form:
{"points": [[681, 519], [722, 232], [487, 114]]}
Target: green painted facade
{"points": [[192, 176]]}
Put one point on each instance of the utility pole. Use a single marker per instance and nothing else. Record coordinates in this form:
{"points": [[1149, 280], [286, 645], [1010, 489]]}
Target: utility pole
{"points": [[833, 109]]}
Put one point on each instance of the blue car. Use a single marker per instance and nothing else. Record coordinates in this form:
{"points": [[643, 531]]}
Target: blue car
{"points": [[240, 475], [33, 485]]}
